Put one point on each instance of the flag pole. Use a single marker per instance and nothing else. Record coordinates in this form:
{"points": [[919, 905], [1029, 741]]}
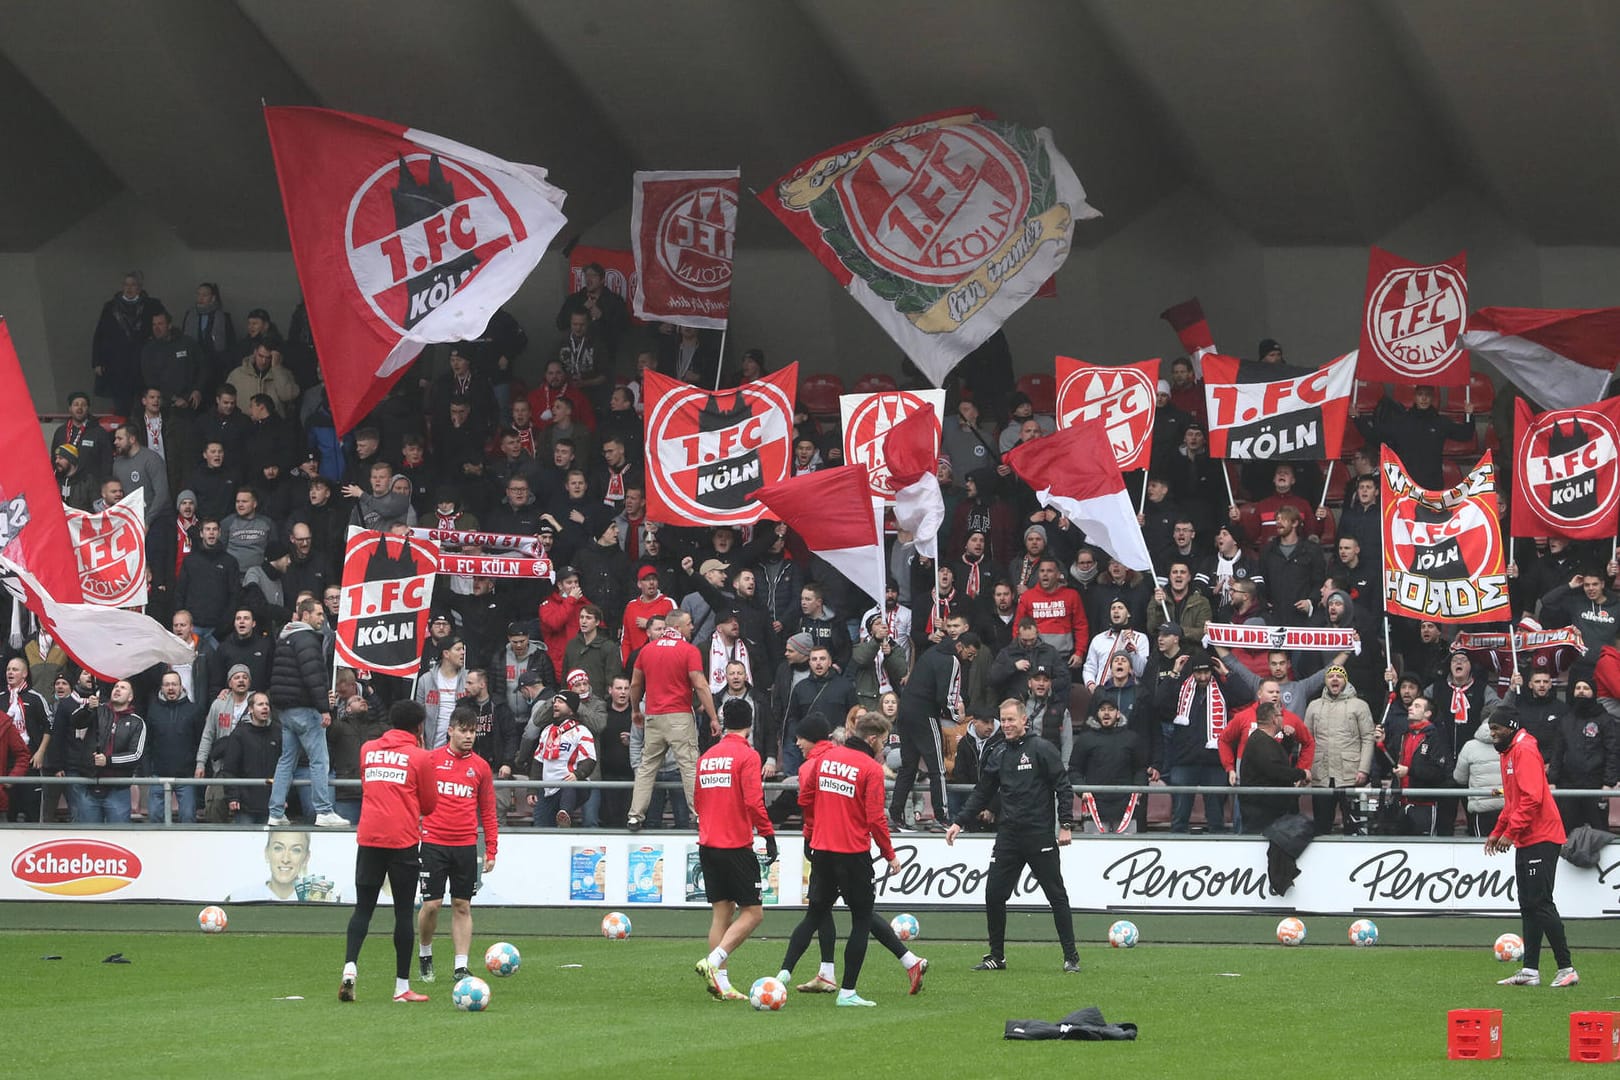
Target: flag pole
{"points": [[720, 360], [1231, 499], [1327, 482], [1389, 653], [1513, 645], [1141, 501]]}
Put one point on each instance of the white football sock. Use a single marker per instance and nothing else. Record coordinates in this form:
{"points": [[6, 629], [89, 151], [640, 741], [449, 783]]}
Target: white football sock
{"points": [[400, 986], [784, 976], [827, 972], [909, 960], [350, 971], [425, 951], [717, 956], [461, 961], [724, 978]]}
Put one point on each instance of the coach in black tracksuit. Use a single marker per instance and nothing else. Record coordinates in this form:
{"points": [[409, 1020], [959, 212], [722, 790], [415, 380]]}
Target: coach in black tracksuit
{"points": [[933, 690], [1037, 817]]}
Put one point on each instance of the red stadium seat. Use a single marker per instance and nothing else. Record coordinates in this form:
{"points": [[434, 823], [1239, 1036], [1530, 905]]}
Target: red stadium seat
{"points": [[1352, 441], [1451, 472], [1042, 391], [1493, 442], [1478, 398], [110, 423], [818, 394], [1402, 394], [1365, 396], [873, 384], [1462, 447]]}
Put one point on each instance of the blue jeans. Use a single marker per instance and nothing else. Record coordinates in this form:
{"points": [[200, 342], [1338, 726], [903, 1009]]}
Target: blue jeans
{"points": [[1214, 805], [792, 757], [546, 806], [591, 809], [183, 816], [302, 727], [348, 809], [109, 805], [248, 817]]}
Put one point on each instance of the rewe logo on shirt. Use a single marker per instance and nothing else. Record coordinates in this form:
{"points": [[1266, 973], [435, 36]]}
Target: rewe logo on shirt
{"points": [[457, 791]]}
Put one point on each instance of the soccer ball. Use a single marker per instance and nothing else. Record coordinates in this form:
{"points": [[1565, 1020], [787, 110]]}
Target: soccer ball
{"points": [[1291, 931], [1363, 932], [1123, 934], [471, 994], [502, 959], [905, 927], [212, 919], [767, 994], [615, 926], [1509, 948]]}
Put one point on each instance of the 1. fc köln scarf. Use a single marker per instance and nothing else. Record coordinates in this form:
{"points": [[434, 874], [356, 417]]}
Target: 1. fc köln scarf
{"points": [[1443, 557], [940, 227], [401, 239], [1255, 416], [1412, 320], [1566, 471], [1123, 399], [708, 453], [683, 225]]}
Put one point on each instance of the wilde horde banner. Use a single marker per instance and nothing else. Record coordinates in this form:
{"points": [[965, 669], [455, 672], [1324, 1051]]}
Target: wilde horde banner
{"points": [[1443, 557], [940, 227], [1297, 418], [1566, 471]]}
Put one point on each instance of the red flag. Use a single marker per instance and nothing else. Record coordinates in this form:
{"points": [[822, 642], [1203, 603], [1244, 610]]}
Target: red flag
{"points": [[1413, 319], [1561, 358], [1272, 412], [1123, 399], [401, 239], [683, 225], [1074, 470], [1566, 471], [911, 451], [1187, 320], [833, 512]]}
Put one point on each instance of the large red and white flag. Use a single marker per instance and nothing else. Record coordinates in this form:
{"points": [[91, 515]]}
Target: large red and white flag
{"points": [[1075, 471], [401, 239], [1566, 471], [1187, 320], [1443, 553], [1253, 415], [37, 560], [683, 225], [709, 452], [911, 450], [834, 513], [940, 227], [387, 588], [1123, 399], [1412, 321], [865, 420], [1560, 357], [111, 550]]}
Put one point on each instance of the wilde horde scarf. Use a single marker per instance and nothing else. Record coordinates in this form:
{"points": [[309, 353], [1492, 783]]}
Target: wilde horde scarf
{"points": [[1217, 710], [971, 585], [720, 654]]}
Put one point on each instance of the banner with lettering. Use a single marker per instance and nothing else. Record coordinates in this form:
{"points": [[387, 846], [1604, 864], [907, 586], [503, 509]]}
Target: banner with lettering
{"points": [[1122, 398], [1566, 471], [1255, 415], [709, 451], [1412, 320], [940, 227], [111, 550], [1291, 638], [387, 590], [523, 545], [866, 419], [1443, 557], [496, 566], [683, 225]]}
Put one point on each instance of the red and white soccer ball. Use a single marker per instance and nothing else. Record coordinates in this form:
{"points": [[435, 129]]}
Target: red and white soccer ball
{"points": [[905, 927], [615, 926], [212, 919], [1509, 948], [1291, 931], [767, 994]]}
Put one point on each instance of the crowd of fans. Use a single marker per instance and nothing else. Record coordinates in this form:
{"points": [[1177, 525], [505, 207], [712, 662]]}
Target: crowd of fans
{"points": [[250, 492]]}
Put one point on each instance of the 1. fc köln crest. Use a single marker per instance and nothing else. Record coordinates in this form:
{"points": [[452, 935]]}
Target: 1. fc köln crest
{"points": [[387, 590], [1413, 318], [683, 225], [867, 418], [1566, 478], [1123, 399], [1443, 555], [111, 550], [708, 452]]}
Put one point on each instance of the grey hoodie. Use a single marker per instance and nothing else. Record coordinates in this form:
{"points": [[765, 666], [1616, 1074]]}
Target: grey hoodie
{"points": [[1480, 766]]}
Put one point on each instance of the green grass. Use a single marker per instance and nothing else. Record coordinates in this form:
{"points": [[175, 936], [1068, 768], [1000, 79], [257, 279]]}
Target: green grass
{"points": [[191, 1005]]}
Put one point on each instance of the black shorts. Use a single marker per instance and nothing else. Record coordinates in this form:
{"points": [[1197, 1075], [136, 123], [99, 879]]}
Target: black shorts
{"points": [[374, 865], [846, 874], [457, 865], [730, 874]]}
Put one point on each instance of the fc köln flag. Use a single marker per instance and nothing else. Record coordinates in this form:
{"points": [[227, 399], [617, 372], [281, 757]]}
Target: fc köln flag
{"points": [[911, 452], [1073, 471], [709, 452], [1122, 399], [1443, 556], [383, 612], [1566, 471], [1255, 416], [1560, 358], [1187, 320], [867, 419], [684, 225], [1412, 321], [401, 239], [834, 513], [111, 551], [940, 227]]}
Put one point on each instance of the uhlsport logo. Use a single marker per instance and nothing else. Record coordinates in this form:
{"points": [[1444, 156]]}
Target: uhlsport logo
{"points": [[1415, 316], [931, 207], [1121, 399], [76, 867], [869, 422], [695, 238], [1567, 466], [419, 230]]}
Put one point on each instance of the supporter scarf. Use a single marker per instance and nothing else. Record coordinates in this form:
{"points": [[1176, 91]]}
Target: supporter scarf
{"points": [[74, 433], [447, 521], [1088, 806], [940, 611], [182, 542], [615, 487], [18, 719], [720, 655], [971, 585], [1289, 638], [526, 438], [1217, 710], [1459, 703], [551, 747], [1026, 572]]}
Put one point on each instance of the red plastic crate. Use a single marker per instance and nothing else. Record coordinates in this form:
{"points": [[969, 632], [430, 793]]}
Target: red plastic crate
{"points": [[1473, 1034], [1594, 1036]]}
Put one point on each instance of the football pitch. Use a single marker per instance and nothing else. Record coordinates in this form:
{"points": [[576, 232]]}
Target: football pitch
{"points": [[250, 1004]]}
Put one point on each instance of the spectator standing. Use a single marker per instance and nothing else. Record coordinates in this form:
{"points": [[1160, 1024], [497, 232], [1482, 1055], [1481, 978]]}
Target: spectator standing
{"points": [[124, 328], [1342, 725], [1267, 763], [251, 754], [26, 713], [174, 726], [136, 466], [667, 672], [298, 689]]}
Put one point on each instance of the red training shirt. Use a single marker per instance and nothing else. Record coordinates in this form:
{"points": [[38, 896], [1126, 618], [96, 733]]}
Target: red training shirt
{"points": [[806, 772], [466, 788], [396, 789], [847, 801], [666, 666], [730, 795], [1530, 816]]}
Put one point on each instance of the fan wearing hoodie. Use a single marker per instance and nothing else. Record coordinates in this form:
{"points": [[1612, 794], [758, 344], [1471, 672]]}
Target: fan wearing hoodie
{"points": [[1479, 767], [1107, 750], [1342, 725], [1589, 756]]}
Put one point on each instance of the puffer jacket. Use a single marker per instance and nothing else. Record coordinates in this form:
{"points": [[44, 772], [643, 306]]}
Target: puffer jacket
{"points": [[1480, 766], [1342, 726], [298, 674]]}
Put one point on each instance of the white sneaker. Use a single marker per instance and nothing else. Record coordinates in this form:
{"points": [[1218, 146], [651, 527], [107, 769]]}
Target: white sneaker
{"points": [[1522, 977], [329, 820], [277, 821], [1566, 977]]}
